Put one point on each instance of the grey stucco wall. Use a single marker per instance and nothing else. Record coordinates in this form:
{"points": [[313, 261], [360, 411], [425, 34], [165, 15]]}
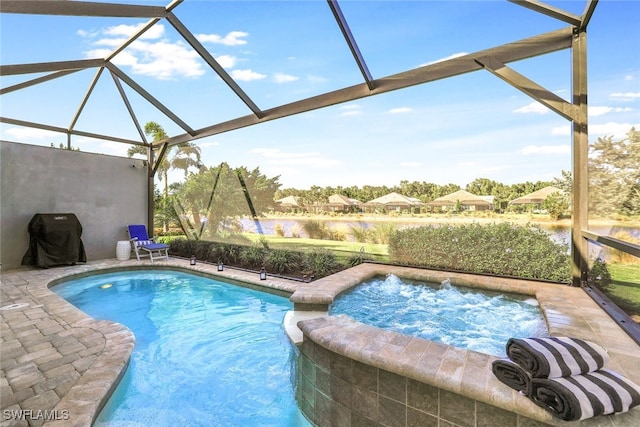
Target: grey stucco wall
{"points": [[106, 193]]}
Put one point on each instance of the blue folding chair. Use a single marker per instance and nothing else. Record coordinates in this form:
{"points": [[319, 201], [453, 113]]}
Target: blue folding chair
{"points": [[140, 241]]}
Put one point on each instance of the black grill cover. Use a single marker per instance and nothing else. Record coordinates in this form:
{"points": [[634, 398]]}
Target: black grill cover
{"points": [[54, 239]]}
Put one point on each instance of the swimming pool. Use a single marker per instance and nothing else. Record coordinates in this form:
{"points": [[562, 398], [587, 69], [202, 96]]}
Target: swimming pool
{"points": [[207, 352], [457, 316]]}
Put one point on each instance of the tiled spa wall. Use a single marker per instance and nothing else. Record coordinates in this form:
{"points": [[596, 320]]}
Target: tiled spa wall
{"points": [[333, 390]]}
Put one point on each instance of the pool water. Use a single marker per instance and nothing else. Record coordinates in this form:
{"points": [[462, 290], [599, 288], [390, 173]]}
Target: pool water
{"points": [[207, 353], [482, 321]]}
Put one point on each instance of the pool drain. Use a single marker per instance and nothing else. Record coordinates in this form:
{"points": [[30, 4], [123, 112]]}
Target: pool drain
{"points": [[15, 306]]}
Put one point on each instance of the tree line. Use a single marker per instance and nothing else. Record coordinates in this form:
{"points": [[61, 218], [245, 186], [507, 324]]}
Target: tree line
{"points": [[424, 191], [225, 192]]}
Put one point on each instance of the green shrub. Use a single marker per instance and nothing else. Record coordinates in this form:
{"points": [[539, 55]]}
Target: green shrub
{"points": [[229, 253], [503, 249], [296, 231], [253, 256], [200, 249], [321, 263], [617, 256], [360, 234], [283, 261], [358, 258], [599, 275], [337, 235], [315, 229], [382, 232], [179, 247], [264, 242], [279, 230]]}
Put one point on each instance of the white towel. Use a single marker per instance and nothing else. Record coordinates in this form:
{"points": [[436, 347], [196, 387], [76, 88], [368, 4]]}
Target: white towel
{"points": [[554, 357], [583, 396]]}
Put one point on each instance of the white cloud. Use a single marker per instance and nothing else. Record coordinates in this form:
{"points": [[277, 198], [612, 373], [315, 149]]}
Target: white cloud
{"points": [[101, 53], [155, 32], [208, 144], [467, 164], [316, 79], [561, 130], [111, 43], [595, 111], [33, 134], [545, 149], [85, 33], [400, 110], [625, 96], [534, 107], [350, 110], [311, 159], [233, 38], [284, 78], [452, 56], [226, 61], [411, 164], [116, 148], [247, 75], [617, 130], [165, 60], [150, 54]]}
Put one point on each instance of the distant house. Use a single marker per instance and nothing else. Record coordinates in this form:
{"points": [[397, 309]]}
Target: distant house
{"points": [[537, 197], [340, 203], [393, 202], [289, 204], [466, 200]]}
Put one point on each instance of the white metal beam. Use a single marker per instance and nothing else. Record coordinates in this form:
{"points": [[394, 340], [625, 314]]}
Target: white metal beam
{"points": [[529, 87], [80, 8], [526, 48]]}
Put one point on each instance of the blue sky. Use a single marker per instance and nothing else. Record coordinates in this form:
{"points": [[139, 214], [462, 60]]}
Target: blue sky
{"points": [[450, 131]]}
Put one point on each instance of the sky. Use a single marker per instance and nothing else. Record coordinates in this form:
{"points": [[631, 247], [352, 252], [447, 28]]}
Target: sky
{"points": [[449, 131]]}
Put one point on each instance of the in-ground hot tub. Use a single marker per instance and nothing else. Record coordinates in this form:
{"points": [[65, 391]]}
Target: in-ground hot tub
{"points": [[351, 372], [463, 317]]}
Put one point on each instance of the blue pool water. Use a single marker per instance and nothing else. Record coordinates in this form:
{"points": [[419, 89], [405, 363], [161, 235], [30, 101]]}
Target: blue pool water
{"points": [[207, 353], [461, 317]]}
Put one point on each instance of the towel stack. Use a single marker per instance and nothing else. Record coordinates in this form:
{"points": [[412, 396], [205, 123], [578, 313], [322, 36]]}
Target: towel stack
{"points": [[566, 376]]}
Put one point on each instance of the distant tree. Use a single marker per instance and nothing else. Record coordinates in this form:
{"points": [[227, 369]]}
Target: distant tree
{"points": [[556, 204], [181, 156], [65, 147], [488, 187], [565, 183], [213, 198], [614, 175]]}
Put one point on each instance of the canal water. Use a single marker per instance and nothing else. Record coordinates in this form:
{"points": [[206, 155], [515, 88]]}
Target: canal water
{"points": [[294, 227]]}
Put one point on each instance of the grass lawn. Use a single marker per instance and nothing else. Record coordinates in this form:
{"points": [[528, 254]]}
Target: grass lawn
{"points": [[343, 250], [625, 291]]}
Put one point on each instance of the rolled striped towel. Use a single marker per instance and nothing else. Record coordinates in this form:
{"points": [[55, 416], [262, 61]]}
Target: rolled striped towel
{"points": [[553, 357], [512, 375], [584, 396]]}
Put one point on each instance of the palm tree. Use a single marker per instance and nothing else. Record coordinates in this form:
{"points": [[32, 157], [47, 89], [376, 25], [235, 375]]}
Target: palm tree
{"points": [[181, 156]]}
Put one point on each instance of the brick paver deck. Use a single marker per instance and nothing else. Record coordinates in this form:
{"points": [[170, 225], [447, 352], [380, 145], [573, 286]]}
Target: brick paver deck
{"points": [[58, 366]]}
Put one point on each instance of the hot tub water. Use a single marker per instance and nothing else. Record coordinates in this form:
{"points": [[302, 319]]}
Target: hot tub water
{"points": [[474, 319]]}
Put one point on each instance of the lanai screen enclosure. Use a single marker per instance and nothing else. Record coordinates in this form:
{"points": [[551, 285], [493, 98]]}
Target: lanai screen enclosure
{"points": [[571, 36]]}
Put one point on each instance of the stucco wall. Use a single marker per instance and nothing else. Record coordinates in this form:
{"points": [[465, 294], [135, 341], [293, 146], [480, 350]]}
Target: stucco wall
{"points": [[106, 193]]}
